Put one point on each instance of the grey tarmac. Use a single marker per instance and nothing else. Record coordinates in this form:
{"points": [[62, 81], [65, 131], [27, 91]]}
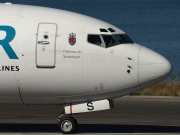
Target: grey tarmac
{"points": [[131, 115]]}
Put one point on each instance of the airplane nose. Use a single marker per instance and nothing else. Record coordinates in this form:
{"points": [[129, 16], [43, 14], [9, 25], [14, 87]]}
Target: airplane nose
{"points": [[152, 67]]}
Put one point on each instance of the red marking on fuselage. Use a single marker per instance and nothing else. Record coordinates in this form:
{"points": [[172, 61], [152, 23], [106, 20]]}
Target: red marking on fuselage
{"points": [[20, 95], [70, 108]]}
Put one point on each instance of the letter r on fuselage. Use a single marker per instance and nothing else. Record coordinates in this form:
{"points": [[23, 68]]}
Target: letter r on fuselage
{"points": [[10, 34]]}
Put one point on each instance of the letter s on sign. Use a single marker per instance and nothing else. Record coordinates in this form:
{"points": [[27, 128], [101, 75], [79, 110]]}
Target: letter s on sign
{"points": [[90, 106]]}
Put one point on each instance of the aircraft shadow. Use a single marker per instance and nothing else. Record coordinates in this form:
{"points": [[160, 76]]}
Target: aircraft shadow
{"points": [[89, 128], [103, 128]]}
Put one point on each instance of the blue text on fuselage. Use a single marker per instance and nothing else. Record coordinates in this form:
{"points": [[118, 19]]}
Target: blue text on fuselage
{"points": [[10, 34]]}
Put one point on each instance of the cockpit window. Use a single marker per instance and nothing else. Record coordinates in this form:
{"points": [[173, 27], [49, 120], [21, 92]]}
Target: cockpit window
{"points": [[123, 38], [95, 39], [109, 40], [111, 30], [103, 30]]}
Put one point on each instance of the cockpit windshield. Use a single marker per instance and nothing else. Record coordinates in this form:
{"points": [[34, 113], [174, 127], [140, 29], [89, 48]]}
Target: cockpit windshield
{"points": [[109, 41], [113, 40], [123, 39]]}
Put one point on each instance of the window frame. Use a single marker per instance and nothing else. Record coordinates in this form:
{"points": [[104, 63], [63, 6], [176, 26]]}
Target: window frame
{"points": [[123, 38], [103, 45], [112, 37], [103, 42]]}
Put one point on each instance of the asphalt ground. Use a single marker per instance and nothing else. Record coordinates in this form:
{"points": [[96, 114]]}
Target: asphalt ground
{"points": [[131, 115]]}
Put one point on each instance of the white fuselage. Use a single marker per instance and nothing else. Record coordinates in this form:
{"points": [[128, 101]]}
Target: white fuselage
{"points": [[53, 69]]}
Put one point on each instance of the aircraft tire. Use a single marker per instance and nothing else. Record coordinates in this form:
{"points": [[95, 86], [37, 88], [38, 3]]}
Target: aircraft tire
{"points": [[76, 123], [68, 125]]}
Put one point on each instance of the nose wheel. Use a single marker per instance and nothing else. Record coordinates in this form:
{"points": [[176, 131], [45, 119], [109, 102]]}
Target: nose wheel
{"points": [[67, 125]]}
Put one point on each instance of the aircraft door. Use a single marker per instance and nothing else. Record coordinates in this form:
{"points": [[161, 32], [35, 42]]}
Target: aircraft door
{"points": [[46, 45]]}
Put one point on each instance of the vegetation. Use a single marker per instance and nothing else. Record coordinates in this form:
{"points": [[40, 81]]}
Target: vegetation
{"points": [[169, 87]]}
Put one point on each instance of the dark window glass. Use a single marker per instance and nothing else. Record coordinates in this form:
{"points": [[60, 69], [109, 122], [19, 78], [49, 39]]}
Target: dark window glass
{"points": [[103, 30], [122, 39], [111, 30], [95, 39], [109, 40]]}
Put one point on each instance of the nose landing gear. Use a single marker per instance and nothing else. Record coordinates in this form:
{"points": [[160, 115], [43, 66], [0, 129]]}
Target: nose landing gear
{"points": [[67, 124]]}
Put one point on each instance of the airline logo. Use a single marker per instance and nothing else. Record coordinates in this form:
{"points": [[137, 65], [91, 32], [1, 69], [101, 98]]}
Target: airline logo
{"points": [[5, 43]]}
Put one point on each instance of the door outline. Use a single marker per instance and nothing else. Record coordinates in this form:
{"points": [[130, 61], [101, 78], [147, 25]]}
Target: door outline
{"points": [[36, 50]]}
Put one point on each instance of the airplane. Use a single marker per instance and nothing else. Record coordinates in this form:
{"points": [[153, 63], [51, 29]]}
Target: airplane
{"points": [[55, 57]]}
